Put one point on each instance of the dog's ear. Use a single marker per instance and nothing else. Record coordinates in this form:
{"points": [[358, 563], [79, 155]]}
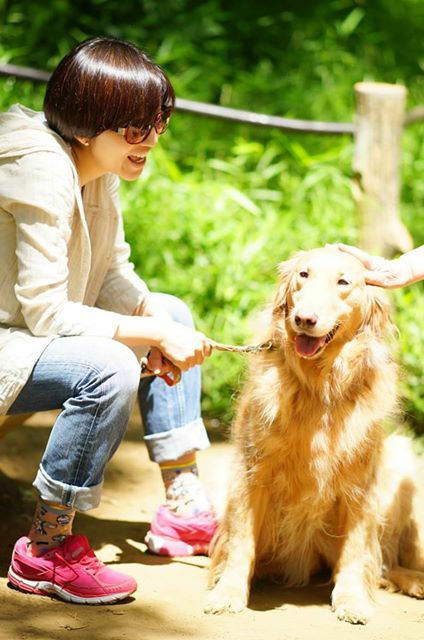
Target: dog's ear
{"points": [[377, 311], [286, 270]]}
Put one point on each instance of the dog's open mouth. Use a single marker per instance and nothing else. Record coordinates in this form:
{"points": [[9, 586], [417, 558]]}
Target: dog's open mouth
{"points": [[309, 346]]}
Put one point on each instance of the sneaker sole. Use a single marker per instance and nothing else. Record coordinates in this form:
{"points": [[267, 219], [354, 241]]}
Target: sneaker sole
{"points": [[44, 588], [163, 546]]}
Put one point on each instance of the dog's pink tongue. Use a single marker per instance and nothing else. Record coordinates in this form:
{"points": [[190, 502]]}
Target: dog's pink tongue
{"points": [[307, 346]]}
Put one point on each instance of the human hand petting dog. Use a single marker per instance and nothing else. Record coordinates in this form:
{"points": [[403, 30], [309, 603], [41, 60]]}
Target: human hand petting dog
{"points": [[390, 274]]}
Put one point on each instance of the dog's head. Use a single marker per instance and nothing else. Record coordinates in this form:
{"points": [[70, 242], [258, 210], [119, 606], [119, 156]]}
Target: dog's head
{"points": [[323, 300]]}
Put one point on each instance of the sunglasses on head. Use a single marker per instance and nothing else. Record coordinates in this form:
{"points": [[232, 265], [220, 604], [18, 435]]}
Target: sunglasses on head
{"points": [[135, 135]]}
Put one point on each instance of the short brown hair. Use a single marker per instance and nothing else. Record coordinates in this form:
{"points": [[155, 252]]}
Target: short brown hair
{"points": [[105, 83]]}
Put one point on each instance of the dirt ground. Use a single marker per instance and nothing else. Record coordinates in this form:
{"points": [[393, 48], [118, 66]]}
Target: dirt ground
{"points": [[169, 602]]}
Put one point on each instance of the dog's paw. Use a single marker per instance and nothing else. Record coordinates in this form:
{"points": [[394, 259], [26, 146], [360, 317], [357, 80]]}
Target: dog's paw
{"points": [[226, 599], [353, 610], [416, 589], [353, 615], [351, 603], [407, 581]]}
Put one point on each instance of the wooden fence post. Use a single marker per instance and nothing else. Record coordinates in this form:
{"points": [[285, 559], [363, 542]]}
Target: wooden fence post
{"points": [[379, 123]]}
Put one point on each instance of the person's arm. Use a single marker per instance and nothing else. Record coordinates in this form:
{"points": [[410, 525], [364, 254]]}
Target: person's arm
{"points": [[43, 214], [390, 274], [183, 346], [414, 260]]}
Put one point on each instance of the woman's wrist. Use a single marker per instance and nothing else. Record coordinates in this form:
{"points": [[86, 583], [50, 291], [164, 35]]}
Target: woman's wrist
{"points": [[140, 330], [413, 261]]}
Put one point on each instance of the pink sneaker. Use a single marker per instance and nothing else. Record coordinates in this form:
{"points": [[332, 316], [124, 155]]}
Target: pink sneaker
{"points": [[172, 535], [71, 571]]}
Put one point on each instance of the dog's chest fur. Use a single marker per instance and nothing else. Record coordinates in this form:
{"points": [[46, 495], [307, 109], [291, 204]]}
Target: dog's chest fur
{"points": [[314, 456]]}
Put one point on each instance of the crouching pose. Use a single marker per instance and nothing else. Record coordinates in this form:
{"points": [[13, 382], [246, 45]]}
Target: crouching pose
{"points": [[72, 308]]}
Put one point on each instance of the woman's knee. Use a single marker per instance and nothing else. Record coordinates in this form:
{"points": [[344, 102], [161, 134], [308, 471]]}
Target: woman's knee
{"points": [[177, 308], [113, 366], [123, 367]]}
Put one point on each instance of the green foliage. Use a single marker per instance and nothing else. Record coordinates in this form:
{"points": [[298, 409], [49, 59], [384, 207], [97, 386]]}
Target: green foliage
{"points": [[221, 204]]}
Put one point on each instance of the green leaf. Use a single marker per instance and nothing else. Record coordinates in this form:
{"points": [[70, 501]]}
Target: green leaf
{"points": [[351, 22]]}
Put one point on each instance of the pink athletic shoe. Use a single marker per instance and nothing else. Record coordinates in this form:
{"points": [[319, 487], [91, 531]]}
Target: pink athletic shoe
{"points": [[71, 571], [172, 535]]}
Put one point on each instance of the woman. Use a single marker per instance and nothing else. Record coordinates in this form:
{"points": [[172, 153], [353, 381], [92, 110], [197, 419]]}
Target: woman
{"points": [[72, 308]]}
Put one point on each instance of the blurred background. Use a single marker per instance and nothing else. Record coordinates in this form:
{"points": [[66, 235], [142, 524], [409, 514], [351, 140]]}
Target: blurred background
{"points": [[220, 204]]}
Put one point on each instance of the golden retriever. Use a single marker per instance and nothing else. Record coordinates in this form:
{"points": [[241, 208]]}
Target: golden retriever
{"points": [[316, 484]]}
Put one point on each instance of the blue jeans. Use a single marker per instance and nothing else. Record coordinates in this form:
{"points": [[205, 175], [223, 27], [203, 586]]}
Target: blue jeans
{"points": [[95, 381]]}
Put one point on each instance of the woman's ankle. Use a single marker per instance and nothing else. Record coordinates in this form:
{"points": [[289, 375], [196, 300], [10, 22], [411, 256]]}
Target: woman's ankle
{"points": [[51, 525], [184, 493]]}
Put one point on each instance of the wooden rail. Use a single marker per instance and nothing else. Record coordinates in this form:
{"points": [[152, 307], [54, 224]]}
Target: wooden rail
{"points": [[216, 111]]}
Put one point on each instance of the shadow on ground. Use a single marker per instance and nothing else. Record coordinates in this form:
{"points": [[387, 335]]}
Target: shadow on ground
{"points": [[169, 602]]}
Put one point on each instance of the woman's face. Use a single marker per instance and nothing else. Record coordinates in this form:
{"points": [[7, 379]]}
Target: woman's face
{"points": [[112, 153], [109, 152]]}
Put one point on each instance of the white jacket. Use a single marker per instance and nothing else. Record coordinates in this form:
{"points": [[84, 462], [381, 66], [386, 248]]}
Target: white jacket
{"points": [[64, 262]]}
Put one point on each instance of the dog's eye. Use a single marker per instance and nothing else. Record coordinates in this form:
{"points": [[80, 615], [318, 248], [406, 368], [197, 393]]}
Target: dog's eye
{"points": [[343, 282], [304, 274]]}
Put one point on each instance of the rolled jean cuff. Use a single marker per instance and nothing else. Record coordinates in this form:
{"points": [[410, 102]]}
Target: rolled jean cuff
{"points": [[79, 498], [172, 444]]}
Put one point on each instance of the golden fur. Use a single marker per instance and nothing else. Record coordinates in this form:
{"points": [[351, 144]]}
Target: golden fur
{"points": [[315, 483]]}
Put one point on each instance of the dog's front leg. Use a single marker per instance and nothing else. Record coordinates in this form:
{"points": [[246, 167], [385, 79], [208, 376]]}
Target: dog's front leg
{"points": [[357, 571], [233, 558]]}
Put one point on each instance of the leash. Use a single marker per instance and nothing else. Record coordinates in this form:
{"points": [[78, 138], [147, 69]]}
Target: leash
{"points": [[248, 348], [219, 346]]}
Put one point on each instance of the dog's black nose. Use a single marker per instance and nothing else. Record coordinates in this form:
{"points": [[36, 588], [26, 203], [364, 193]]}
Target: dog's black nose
{"points": [[308, 320]]}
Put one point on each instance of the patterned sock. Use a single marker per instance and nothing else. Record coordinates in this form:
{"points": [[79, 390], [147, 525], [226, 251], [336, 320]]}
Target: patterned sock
{"points": [[185, 495], [51, 525]]}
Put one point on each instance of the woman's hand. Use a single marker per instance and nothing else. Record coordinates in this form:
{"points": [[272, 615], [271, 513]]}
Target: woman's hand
{"points": [[183, 346], [178, 346], [156, 364], [389, 274]]}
